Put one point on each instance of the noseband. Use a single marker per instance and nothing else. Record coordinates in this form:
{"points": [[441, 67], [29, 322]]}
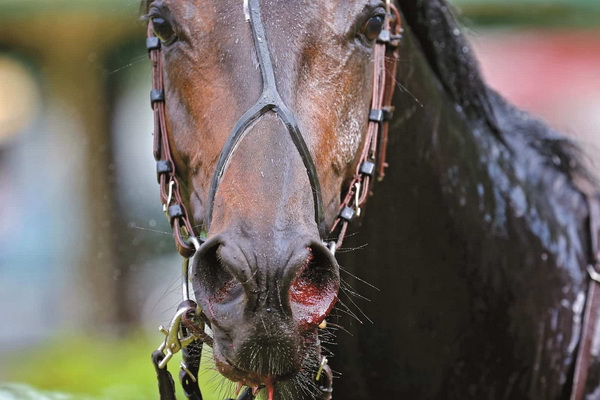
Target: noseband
{"points": [[270, 100], [186, 331]]}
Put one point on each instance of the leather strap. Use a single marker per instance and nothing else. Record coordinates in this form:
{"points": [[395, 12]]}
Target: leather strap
{"points": [[391, 64], [188, 374], [166, 386], [372, 157], [168, 179], [592, 306]]}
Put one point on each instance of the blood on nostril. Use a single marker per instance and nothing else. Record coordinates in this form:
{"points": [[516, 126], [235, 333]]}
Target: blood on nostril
{"points": [[313, 290], [304, 291]]}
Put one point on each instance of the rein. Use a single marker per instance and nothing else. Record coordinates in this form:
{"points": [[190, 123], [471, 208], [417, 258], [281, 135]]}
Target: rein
{"points": [[186, 332]]}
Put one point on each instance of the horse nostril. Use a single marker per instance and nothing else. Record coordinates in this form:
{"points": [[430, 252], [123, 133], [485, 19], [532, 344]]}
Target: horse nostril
{"points": [[218, 281], [314, 287]]}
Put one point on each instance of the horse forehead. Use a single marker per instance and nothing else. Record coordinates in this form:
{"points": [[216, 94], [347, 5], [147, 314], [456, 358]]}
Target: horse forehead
{"points": [[286, 9]]}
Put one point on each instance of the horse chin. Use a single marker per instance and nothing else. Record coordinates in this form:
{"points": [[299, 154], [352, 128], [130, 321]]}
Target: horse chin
{"points": [[249, 378], [295, 365], [235, 374]]}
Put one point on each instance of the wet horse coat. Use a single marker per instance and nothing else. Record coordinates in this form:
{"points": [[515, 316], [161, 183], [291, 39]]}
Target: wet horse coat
{"points": [[477, 241]]}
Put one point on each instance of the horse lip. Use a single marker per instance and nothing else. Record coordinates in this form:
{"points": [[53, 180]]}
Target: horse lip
{"points": [[231, 371], [236, 374]]}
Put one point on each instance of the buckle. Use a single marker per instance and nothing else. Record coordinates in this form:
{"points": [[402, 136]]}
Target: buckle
{"points": [[347, 214], [367, 168], [175, 340], [163, 167], [157, 96], [388, 39], [176, 211], [152, 43], [376, 116], [594, 275]]}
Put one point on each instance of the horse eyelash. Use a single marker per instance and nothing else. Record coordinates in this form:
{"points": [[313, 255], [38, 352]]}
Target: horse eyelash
{"points": [[144, 8]]}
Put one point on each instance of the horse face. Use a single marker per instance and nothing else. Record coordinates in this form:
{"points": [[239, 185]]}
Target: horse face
{"points": [[264, 278]]}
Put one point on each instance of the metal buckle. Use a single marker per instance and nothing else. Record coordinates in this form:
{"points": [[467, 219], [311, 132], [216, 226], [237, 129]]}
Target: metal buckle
{"points": [[175, 341], [594, 275], [152, 43], [185, 281], [357, 187], [347, 214], [169, 196], [195, 242], [187, 371]]}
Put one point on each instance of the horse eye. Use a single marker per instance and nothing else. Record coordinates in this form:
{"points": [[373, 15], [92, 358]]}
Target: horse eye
{"points": [[163, 29], [373, 27]]}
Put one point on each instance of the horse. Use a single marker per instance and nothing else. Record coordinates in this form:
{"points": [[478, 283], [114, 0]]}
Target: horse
{"points": [[473, 251]]}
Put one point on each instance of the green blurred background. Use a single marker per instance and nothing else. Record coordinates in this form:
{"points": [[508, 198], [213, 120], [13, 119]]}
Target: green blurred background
{"points": [[87, 264]]}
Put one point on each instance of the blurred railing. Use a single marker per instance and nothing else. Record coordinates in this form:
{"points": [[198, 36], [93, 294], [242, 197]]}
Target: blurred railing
{"points": [[528, 12]]}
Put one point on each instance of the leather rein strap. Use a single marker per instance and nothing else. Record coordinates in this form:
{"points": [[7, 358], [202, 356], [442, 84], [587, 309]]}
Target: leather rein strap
{"points": [[592, 306], [186, 332]]}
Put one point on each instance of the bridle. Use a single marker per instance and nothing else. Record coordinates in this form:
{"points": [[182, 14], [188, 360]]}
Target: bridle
{"points": [[186, 332]]}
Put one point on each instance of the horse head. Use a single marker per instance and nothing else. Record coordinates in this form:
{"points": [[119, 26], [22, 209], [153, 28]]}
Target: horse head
{"points": [[266, 120]]}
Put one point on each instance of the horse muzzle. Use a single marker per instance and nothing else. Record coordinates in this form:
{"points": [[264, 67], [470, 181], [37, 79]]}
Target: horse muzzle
{"points": [[264, 301]]}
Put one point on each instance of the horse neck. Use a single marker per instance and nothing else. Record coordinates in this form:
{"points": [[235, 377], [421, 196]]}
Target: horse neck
{"points": [[476, 225], [515, 177]]}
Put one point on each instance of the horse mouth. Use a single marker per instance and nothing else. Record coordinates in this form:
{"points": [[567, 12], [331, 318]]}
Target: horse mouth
{"points": [[251, 379]]}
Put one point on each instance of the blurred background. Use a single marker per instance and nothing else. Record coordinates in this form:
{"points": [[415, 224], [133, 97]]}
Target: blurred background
{"points": [[87, 263]]}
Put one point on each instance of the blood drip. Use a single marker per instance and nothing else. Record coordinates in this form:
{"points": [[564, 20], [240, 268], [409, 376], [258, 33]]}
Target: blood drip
{"points": [[271, 390]]}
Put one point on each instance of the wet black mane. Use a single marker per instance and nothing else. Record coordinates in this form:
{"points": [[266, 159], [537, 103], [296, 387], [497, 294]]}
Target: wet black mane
{"points": [[449, 55], [434, 24]]}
